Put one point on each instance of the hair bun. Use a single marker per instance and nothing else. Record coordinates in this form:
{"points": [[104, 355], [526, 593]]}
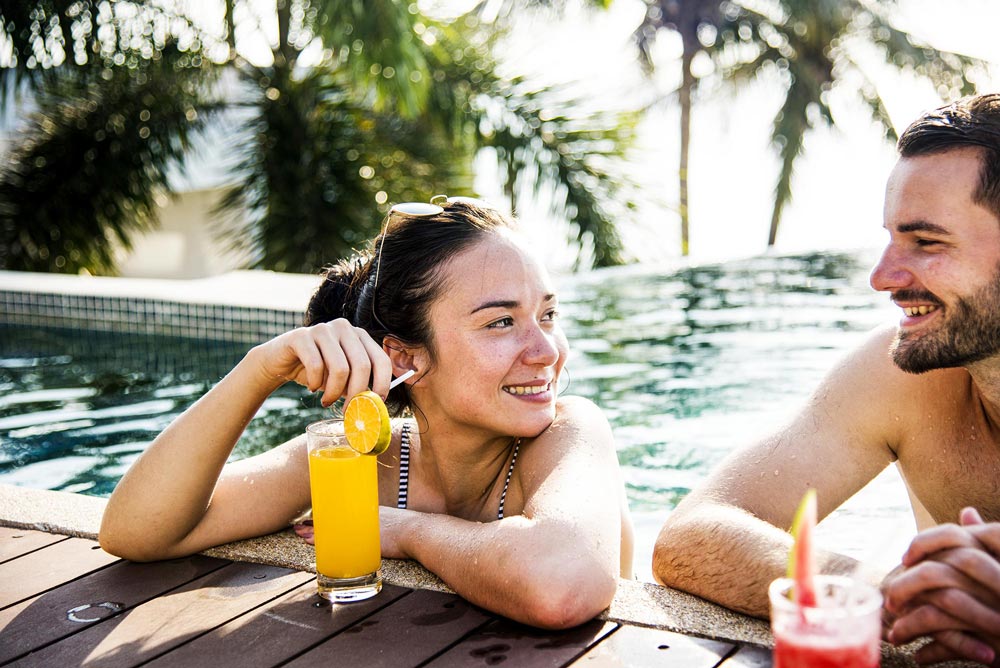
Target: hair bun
{"points": [[337, 294]]}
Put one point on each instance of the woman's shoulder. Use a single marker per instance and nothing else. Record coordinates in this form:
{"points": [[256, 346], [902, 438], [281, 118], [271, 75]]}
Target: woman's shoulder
{"points": [[573, 409], [579, 424]]}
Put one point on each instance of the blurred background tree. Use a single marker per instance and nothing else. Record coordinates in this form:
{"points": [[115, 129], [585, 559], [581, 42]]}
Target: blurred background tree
{"points": [[360, 106], [813, 45]]}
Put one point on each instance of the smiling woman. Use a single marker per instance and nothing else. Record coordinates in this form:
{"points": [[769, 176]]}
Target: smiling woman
{"points": [[454, 296]]}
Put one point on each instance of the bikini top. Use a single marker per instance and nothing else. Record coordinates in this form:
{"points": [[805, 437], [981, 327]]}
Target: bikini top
{"points": [[404, 470]]}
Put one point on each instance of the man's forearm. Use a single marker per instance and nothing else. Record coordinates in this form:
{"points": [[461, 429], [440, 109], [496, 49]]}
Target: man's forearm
{"points": [[726, 555]]}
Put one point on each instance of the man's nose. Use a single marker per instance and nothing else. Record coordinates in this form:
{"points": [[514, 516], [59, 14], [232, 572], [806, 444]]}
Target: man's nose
{"points": [[891, 272]]}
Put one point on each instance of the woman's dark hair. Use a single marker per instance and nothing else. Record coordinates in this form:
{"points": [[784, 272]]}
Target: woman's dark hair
{"points": [[969, 122], [412, 250]]}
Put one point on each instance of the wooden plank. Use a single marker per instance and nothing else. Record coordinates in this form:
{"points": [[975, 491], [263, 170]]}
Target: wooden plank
{"points": [[15, 542], [51, 566], [405, 633], [277, 631], [507, 642], [159, 625], [749, 656], [89, 600], [638, 647]]}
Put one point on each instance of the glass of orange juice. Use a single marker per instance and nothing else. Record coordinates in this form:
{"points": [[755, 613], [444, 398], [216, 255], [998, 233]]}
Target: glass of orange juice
{"points": [[344, 486]]}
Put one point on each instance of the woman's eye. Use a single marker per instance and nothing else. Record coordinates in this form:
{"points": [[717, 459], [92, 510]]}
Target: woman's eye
{"points": [[506, 321]]}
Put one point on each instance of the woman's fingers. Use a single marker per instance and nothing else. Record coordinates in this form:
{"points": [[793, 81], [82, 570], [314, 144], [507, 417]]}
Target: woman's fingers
{"points": [[359, 361], [381, 365], [310, 360], [336, 365], [337, 358], [305, 531]]}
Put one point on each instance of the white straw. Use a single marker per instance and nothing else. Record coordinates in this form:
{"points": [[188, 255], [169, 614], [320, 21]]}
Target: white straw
{"points": [[401, 378]]}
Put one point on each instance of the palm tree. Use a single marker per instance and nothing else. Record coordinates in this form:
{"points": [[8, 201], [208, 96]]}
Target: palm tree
{"points": [[394, 107], [815, 45], [90, 162]]}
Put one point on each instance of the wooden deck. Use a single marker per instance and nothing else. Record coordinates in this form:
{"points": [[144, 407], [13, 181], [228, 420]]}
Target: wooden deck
{"points": [[66, 602]]}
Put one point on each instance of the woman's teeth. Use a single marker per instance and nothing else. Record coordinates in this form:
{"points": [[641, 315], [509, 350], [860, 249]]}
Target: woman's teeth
{"points": [[525, 389], [918, 310]]}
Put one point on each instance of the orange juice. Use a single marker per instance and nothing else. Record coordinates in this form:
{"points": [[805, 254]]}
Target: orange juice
{"points": [[344, 488]]}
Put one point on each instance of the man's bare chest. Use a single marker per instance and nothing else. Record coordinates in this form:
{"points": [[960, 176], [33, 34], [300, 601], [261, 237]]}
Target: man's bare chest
{"points": [[949, 465]]}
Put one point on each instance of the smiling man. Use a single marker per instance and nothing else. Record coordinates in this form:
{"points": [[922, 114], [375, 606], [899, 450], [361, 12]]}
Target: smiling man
{"points": [[924, 394]]}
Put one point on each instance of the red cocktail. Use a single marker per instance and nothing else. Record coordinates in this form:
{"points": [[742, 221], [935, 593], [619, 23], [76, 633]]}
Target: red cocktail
{"points": [[841, 631]]}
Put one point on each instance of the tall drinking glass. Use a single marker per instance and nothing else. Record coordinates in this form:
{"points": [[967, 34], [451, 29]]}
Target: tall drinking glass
{"points": [[344, 486], [843, 631]]}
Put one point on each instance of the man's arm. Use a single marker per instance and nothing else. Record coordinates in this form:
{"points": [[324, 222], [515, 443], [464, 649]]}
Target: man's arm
{"points": [[728, 540]]}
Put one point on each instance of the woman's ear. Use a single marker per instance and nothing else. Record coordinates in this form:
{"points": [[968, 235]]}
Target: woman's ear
{"points": [[403, 357]]}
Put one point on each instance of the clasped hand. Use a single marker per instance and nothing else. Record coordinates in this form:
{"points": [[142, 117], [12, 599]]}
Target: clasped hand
{"points": [[948, 589]]}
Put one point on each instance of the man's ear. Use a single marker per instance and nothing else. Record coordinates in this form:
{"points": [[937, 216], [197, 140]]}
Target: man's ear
{"points": [[403, 357]]}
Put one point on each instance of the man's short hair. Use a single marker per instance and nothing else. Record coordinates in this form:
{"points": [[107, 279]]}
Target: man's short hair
{"points": [[969, 122]]}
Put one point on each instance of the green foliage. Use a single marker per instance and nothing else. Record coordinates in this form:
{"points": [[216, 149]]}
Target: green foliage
{"points": [[92, 160], [394, 109], [314, 166]]}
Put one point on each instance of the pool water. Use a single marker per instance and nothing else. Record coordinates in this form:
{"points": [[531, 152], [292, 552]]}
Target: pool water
{"points": [[687, 364]]}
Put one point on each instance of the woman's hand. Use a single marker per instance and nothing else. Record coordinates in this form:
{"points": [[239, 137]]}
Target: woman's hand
{"points": [[391, 522], [304, 530], [335, 357]]}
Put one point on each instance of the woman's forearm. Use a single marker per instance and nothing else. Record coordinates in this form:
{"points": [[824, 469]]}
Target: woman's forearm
{"points": [[543, 574], [167, 492]]}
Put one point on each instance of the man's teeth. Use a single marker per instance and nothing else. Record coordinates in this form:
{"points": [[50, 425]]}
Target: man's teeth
{"points": [[919, 310], [525, 389]]}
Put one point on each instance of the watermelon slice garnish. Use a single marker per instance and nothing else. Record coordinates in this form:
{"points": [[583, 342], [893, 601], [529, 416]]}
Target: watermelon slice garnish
{"points": [[802, 559]]}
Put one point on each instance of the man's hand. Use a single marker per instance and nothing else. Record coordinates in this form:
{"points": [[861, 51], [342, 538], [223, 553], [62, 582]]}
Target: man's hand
{"points": [[949, 590]]}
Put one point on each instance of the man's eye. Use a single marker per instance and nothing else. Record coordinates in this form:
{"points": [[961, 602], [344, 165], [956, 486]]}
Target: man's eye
{"points": [[927, 242], [501, 323]]}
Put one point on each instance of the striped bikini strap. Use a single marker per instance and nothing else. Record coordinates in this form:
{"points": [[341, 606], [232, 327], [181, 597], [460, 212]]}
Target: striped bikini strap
{"points": [[506, 482], [404, 465], [404, 470]]}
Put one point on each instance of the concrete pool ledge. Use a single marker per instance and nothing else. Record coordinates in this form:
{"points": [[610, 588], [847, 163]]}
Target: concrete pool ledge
{"points": [[639, 603]]}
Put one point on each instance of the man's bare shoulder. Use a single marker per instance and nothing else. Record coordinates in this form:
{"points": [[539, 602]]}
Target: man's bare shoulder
{"points": [[873, 375]]}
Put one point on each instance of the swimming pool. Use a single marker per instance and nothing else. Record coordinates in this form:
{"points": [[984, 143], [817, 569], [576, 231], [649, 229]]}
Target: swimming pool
{"points": [[687, 364]]}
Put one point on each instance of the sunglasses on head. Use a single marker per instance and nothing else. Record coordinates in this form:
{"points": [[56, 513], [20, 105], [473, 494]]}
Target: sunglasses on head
{"points": [[434, 207], [417, 210]]}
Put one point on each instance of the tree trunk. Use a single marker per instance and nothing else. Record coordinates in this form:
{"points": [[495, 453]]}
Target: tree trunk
{"points": [[684, 93], [230, 30]]}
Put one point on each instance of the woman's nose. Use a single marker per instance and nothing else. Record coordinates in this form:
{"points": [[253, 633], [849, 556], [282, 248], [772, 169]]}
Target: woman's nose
{"points": [[542, 346]]}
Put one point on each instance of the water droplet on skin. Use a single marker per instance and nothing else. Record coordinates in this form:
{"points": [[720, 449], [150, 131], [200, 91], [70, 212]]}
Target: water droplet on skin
{"points": [[775, 471]]}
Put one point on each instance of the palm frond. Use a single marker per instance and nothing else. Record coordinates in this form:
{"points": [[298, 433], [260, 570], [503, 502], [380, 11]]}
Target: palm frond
{"points": [[92, 160], [319, 166], [383, 45]]}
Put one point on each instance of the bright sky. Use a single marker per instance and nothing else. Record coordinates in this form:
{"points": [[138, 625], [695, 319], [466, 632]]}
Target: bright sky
{"points": [[839, 180]]}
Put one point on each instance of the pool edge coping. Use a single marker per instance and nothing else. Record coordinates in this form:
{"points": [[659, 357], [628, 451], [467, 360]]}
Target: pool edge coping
{"points": [[637, 603]]}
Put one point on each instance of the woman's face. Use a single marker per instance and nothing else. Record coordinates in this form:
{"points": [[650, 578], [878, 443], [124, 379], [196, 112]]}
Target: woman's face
{"points": [[497, 346]]}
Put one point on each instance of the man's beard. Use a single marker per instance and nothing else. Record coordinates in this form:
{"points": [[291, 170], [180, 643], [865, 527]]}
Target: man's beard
{"points": [[969, 334]]}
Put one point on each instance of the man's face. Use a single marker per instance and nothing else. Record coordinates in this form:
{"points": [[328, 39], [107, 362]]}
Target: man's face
{"points": [[942, 263]]}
